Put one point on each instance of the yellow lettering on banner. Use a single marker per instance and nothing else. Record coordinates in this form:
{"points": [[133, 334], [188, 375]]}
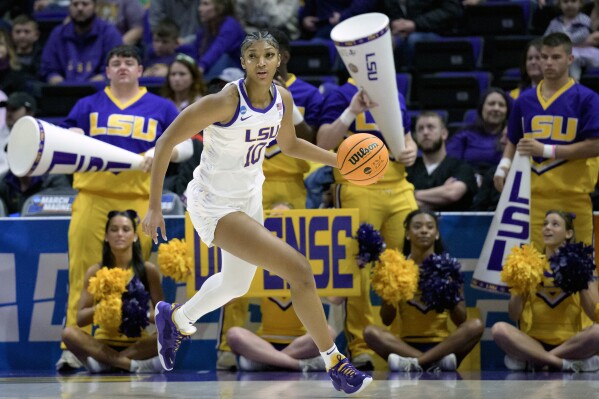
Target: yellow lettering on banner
{"points": [[324, 236]]}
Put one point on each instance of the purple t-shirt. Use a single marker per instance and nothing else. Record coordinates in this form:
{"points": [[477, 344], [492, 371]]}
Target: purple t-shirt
{"points": [[478, 149]]}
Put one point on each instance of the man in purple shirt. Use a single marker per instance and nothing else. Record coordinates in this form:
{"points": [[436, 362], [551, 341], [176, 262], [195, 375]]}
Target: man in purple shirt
{"points": [[76, 51]]}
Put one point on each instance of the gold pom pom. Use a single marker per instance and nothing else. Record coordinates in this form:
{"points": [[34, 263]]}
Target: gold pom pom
{"points": [[108, 282], [108, 313], [174, 261], [394, 277], [523, 269]]}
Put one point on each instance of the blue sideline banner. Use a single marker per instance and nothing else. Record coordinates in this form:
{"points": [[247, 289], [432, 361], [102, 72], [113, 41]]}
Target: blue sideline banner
{"points": [[34, 276]]}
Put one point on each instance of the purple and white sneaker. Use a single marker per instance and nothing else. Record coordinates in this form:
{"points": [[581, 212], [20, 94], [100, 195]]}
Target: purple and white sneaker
{"points": [[169, 336]]}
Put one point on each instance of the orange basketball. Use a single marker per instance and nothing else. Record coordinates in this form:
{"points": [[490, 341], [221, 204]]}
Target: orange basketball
{"points": [[362, 159]]}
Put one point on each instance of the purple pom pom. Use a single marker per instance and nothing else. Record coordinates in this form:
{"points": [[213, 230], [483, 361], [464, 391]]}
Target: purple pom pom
{"points": [[135, 308], [371, 244], [440, 282], [572, 266]]}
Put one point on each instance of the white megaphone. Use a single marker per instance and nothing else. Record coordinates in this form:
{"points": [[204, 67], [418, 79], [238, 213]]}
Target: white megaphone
{"points": [[36, 147], [364, 43]]}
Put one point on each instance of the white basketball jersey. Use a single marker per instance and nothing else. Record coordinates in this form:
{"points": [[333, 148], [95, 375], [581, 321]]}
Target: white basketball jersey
{"points": [[231, 163]]}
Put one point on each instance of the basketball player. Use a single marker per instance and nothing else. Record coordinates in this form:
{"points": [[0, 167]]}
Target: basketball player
{"points": [[125, 115], [284, 175], [225, 204], [557, 125], [385, 205]]}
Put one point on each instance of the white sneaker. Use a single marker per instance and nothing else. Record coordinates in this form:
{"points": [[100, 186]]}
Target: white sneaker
{"points": [[68, 361], [151, 365], [400, 363], [363, 362], [312, 364], [584, 365], [514, 364], [246, 364], [447, 363], [95, 367]]}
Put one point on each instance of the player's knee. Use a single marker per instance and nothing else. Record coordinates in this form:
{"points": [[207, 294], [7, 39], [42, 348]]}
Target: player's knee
{"points": [[68, 335], [475, 328], [499, 331], [234, 337], [371, 334]]}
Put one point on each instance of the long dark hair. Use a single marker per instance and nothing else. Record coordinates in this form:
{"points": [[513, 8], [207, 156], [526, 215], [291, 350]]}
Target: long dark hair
{"points": [[223, 8], [438, 245], [525, 80], [137, 261]]}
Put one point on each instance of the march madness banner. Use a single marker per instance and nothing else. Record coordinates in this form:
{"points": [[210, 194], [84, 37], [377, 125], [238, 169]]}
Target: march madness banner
{"points": [[324, 236]]}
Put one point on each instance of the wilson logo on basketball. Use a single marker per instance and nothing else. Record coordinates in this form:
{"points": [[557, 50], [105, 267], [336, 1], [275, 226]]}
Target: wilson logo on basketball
{"points": [[355, 158]]}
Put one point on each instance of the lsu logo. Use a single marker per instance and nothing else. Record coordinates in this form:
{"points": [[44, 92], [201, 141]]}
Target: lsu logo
{"points": [[136, 127], [552, 127]]}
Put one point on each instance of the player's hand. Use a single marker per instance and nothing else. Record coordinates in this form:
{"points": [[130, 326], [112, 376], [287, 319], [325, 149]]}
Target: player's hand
{"points": [[530, 147], [146, 163], [499, 179], [360, 102], [152, 222]]}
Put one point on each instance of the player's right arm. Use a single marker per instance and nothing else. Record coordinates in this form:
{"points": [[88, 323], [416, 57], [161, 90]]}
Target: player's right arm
{"points": [[331, 134], [219, 107]]}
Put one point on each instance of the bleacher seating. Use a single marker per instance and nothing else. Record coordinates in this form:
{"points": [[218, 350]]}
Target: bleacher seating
{"points": [[452, 89], [172, 204], [497, 18], [310, 58], [504, 52], [448, 54], [58, 100]]}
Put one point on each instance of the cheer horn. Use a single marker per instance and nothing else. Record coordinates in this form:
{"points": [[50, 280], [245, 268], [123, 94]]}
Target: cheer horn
{"points": [[36, 147], [364, 43]]}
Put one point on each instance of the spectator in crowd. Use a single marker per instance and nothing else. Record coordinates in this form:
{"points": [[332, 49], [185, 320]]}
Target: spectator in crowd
{"points": [[20, 104], [218, 43], [108, 116], [478, 144], [413, 21], [281, 341], [552, 330], [266, 14], [385, 205], [227, 75], [12, 77], [284, 175], [126, 15], [25, 35], [108, 350], [184, 84], [577, 25], [15, 190], [181, 11], [421, 339], [441, 183], [530, 68], [561, 123], [318, 18], [163, 50], [76, 51], [487, 197]]}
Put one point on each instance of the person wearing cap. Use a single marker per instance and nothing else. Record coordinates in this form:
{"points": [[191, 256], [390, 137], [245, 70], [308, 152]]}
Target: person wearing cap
{"points": [[228, 75], [17, 105], [15, 190]]}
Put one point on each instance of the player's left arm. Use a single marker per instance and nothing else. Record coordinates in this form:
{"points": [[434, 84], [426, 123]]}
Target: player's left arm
{"points": [[295, 147], [588, 148]]}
